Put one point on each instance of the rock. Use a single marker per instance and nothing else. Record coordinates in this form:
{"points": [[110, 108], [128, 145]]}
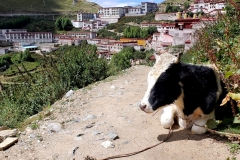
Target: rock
{"points": [[88, 117], [40, 139], [54, 127], [78, 137], [23, 133], [125, 142], [113, 87], [69, 93], [96, 133], [75, 150], [3, 128], [108, 144], [101, 114], [55, 157], [76, 120], [28, 130], [8, 142], [120, 93], [88, 126], [31, 136], [80, 134], [112, 136], [8, 133]]}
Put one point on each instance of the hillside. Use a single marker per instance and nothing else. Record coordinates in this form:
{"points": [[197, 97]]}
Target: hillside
{"points": [[108, 110], [163, 4], [48, 6]]}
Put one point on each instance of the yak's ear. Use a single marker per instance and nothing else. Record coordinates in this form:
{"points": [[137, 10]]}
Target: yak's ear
{"points": [[178, 55]]}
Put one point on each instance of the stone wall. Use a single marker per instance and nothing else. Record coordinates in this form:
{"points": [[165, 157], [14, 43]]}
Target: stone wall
{"points": [[131, 14], [165, 16]]}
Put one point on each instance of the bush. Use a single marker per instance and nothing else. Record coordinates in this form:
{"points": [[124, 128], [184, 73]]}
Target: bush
{"points": [[137, 32], [218, 44], [71, 67], [5, 60], [80, 66], [104, 33], [121, 60], [25, 56], [63, 23], [14, 22]]}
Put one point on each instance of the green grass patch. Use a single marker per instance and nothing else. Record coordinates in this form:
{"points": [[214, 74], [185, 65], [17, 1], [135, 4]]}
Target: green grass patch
{"points": [[14, 70], [48, 6]]}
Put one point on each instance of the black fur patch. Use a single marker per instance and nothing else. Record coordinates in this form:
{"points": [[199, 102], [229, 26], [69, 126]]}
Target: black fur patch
{"points": [[199, 84]]}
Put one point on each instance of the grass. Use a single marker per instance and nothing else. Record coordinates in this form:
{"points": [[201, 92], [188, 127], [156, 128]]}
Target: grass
{"points": [[163, 4], [13, 70], [48, 6]]}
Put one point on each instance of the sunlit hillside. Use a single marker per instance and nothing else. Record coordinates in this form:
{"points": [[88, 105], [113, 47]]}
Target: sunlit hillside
{"points": [[47, 6]]}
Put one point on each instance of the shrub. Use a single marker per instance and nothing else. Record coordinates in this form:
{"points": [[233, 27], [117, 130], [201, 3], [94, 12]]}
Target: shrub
{"points": [[218, 44], [71, 67], [121, 60]]}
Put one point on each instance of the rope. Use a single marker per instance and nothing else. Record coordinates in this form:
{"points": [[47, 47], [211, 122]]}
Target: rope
{"points": [[137, 152]]}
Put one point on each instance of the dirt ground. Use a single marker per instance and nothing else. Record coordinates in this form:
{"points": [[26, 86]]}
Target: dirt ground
{"points": [[108, 110]]}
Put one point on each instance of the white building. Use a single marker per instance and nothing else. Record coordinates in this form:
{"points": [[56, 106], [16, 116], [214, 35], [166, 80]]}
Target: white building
{"points": [[116, 12], [208, 6], [4, 31], [135, 10], [161, 27], [148, 7], [83, 35], [3, 51], [111, 14], [29, 37], [77, 24], [86, 16], [94, 25]]}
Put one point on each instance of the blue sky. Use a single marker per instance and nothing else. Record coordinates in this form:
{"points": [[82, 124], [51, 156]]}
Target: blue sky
{"points": [[121, 3]]}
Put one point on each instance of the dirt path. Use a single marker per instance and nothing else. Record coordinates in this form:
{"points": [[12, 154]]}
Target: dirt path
{"points": [[109, 110]]}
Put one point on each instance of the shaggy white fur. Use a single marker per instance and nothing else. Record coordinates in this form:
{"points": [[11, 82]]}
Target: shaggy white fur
{"points": [[174, 110]]}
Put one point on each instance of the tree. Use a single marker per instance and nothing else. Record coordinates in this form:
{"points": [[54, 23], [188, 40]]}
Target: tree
{"points": [[152, 30], [172, 9], [186, 5], [121, 60], [143, 33], [79, 66], [63, 23], [104, 33]]}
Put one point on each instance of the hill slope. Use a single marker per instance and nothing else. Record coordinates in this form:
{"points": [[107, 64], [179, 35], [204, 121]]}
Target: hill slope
{"points": [[48, 6], [163, 4], [103, 110]]}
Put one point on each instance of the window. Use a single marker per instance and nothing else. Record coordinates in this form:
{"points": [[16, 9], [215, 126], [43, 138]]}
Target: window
{"points": [[181, 27]]}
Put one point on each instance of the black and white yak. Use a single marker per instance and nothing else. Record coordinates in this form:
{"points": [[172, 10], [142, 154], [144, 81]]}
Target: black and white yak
{"points": [[189, 93]]}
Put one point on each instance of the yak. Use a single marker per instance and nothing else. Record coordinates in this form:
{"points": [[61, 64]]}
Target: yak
{"points": [[189, 93]]}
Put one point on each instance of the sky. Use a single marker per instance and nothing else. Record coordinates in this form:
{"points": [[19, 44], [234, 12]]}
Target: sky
{"points": [[121, 3]]}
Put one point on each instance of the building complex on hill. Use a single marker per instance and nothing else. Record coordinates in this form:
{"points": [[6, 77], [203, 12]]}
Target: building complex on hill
{"points": [[208, 6], [112, 14], [178, 30], [29, 37]]}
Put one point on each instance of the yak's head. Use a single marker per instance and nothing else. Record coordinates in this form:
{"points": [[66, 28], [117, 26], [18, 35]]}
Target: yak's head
{"points": [[163, 83]]}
